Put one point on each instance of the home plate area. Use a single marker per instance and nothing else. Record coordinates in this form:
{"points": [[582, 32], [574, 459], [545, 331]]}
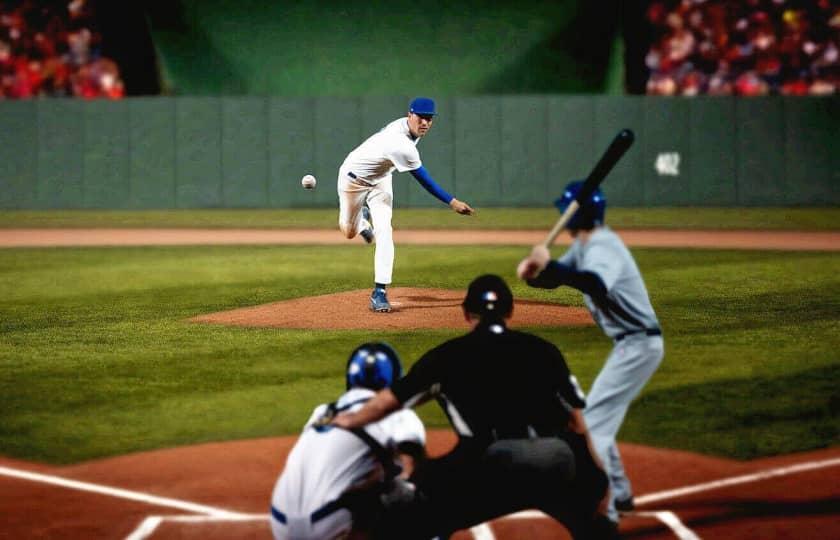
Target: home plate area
{"points": [[222, 491]]}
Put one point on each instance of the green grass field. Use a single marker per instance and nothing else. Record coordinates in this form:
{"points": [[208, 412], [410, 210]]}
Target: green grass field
{"points": [[97, 358]]}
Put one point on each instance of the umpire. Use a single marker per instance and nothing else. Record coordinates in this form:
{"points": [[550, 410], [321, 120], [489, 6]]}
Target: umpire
{"points": [[522, 441]]}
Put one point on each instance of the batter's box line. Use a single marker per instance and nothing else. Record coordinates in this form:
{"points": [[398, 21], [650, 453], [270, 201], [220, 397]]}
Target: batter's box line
{"points": [[149, 525]]}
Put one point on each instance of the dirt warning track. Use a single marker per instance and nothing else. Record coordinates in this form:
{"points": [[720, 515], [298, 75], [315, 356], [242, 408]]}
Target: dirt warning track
{"points": [[782, 240]]}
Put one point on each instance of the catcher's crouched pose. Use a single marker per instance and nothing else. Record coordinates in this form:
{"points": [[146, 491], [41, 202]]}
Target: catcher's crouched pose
{"points": [[335, 480], [522, 441]]}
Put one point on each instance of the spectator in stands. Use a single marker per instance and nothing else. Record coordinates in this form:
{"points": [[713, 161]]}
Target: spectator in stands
{"points": [[744, 47], [52, 49]]}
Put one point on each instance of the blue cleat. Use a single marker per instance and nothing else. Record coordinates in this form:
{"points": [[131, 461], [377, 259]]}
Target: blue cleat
{"points": [[379, 301]]}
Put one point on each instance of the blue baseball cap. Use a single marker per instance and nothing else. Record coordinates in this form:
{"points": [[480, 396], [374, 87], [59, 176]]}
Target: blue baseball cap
{"points": [[422, 105]]}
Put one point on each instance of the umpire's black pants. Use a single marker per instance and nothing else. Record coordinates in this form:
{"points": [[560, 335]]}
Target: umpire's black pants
{"points": [[472, 485]]}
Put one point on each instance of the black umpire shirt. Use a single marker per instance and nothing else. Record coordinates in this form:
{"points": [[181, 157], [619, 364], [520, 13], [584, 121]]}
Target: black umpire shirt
{"points": [[495, 383]]}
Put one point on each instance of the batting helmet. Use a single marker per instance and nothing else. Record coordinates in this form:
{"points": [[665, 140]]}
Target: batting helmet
{"points": [[373, 365], [591, 211]]}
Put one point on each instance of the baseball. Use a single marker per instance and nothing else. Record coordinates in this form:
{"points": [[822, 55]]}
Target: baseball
{"points": [[308, 182]]}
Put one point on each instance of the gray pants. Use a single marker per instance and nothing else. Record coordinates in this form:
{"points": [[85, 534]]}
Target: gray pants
{"points": [[628, 368]]}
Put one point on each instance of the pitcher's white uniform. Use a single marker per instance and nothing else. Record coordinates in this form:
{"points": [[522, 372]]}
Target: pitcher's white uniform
{"points": [[326, 462], [365, 175]]}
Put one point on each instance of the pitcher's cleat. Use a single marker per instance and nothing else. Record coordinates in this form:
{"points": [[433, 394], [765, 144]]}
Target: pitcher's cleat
{"points": [[379, 301], [367, 235]]}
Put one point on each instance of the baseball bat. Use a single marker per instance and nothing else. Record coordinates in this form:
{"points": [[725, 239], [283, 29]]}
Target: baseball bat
{"points": [[615, 150]]}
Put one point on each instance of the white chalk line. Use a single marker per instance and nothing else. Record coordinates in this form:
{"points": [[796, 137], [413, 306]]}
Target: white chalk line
{"points": [[116, 492], [480, 532], [708, 486], [736, 480], [149, 525], [671, 521]]}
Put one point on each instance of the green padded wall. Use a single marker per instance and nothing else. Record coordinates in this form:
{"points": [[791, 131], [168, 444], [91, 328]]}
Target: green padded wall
{"points": [[18, 154], [291, 151], [106, 169], [198, 152], [61, 148], [250, 152], [478, 140], [524, 152], [761, 153], [812, 148], [712, 160], [245, 157], [570, 133], [151, 153]]}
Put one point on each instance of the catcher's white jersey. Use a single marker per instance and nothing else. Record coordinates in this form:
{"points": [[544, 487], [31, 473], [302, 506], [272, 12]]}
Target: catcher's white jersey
{"points": [[390, 148], [327, 461]]}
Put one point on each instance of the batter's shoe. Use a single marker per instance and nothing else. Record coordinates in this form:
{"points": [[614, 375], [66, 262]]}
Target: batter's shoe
{"points": [[625, 505], [367, 232], [379, 301]]}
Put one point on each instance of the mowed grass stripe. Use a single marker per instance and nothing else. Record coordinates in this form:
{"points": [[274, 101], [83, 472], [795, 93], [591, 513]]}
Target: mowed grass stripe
{"points": [[97, 358]]}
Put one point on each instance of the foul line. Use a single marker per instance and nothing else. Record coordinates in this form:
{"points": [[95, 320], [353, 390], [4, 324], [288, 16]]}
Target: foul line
{"points": [[117, 492], [735, 480], [479, 532], [671, 520]]}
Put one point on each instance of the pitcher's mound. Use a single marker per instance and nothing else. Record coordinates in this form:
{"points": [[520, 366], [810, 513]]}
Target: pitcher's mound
{"points": [[412, 308]]}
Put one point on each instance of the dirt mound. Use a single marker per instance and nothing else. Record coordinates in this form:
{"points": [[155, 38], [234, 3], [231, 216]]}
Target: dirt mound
{"points": [[413, 308]]}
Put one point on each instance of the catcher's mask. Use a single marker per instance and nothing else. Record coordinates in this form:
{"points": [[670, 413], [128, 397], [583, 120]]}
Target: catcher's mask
{"points": [[591, 211], [374, 365]]}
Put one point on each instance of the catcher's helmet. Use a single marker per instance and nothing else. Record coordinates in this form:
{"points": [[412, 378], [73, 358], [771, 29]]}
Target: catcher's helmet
{"points": [[373, 365], [591, 211]]}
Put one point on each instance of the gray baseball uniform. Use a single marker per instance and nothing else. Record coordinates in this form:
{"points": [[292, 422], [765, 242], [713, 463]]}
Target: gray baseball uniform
{"points": [[622, 309]]}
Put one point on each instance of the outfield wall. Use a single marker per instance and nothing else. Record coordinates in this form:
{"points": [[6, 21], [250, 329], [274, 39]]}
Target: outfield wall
{"points": [[244, 152]]}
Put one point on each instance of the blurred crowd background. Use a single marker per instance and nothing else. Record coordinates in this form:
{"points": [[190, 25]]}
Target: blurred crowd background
{"points": [[54, 49], [109, 49], [744, 47]]}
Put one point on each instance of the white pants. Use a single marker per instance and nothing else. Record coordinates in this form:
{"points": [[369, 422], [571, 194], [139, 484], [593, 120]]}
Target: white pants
{"points": [[352, 195], [335, 526], [628, 368]]}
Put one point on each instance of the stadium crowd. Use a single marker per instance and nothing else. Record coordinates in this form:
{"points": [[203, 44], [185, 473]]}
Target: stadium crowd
{"points": [[53, 49], [744, 47]]}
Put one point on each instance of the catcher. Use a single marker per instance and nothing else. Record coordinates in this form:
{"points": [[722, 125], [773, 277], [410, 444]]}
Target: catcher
{"points": [[336, 481]]}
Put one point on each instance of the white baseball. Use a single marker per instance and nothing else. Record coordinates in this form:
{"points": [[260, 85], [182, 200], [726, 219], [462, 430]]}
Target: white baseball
{"points": [[308, 182]]}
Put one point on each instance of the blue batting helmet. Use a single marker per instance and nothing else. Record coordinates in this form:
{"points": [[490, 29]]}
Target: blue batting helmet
{"points": [[591, 211], [373, 365]]}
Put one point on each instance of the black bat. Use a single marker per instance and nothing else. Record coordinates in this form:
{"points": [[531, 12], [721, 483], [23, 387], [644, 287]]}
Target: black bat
{"points": [[615, 150]]}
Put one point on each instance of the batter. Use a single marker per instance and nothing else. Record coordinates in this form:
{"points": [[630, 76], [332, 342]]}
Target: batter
{"points": [[600, 265]]}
